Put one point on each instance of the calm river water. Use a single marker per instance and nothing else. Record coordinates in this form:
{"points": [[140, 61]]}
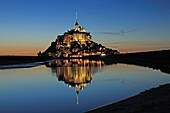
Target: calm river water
{"points": [[72, 86]]}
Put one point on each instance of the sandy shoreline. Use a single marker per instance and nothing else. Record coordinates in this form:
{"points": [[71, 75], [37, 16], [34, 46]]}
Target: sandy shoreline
{"points": [[155, 100]]}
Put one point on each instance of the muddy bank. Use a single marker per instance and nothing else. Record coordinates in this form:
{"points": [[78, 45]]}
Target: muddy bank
{"points": [[155, 100]]}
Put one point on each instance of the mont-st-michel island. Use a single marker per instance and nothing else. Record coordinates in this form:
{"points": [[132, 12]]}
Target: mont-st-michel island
{"points": [[114, 57], [76, 43]]}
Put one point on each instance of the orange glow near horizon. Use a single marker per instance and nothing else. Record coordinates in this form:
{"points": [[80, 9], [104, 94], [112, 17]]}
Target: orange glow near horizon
{"points": [[32, 50], [18, 53], [23, 51], [132, 47]]}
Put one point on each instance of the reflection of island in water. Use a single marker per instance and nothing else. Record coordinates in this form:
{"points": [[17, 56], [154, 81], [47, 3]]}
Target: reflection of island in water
{"points": [[76, 73]]}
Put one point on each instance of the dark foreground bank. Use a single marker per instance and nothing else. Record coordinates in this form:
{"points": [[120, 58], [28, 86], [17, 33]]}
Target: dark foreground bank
{"points": [[10, 60], [153, 59], [155, 100]]}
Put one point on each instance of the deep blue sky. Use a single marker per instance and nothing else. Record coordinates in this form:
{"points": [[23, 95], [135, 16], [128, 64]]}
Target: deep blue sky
{"points": [[27, 26]]}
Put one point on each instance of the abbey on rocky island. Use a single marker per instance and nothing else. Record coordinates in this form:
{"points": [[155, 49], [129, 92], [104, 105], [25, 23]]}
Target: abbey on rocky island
{"points": [[76, 42]]}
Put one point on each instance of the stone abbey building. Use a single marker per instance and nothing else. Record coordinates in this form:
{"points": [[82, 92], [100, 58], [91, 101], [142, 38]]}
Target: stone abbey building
{"points": [[76, 42], [78, 34]]}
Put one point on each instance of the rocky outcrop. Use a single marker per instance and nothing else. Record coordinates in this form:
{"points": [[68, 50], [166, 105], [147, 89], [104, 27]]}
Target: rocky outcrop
{"points": [[76, 42], [76, 49]]}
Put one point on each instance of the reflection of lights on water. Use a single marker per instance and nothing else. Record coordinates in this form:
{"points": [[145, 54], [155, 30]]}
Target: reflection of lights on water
{"points": [[103, 54], [76, 73], [77, 98]]}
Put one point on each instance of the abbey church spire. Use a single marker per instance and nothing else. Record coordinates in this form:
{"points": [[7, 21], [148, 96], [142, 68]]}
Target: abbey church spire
{"points": [[76, 19], [76, 24]]}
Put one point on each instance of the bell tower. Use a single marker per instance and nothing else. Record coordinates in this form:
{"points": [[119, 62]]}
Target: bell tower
{"points": [[76, 24]]}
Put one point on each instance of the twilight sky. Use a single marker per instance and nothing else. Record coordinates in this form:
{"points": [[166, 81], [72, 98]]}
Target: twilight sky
{"points": [[29, 26]]}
